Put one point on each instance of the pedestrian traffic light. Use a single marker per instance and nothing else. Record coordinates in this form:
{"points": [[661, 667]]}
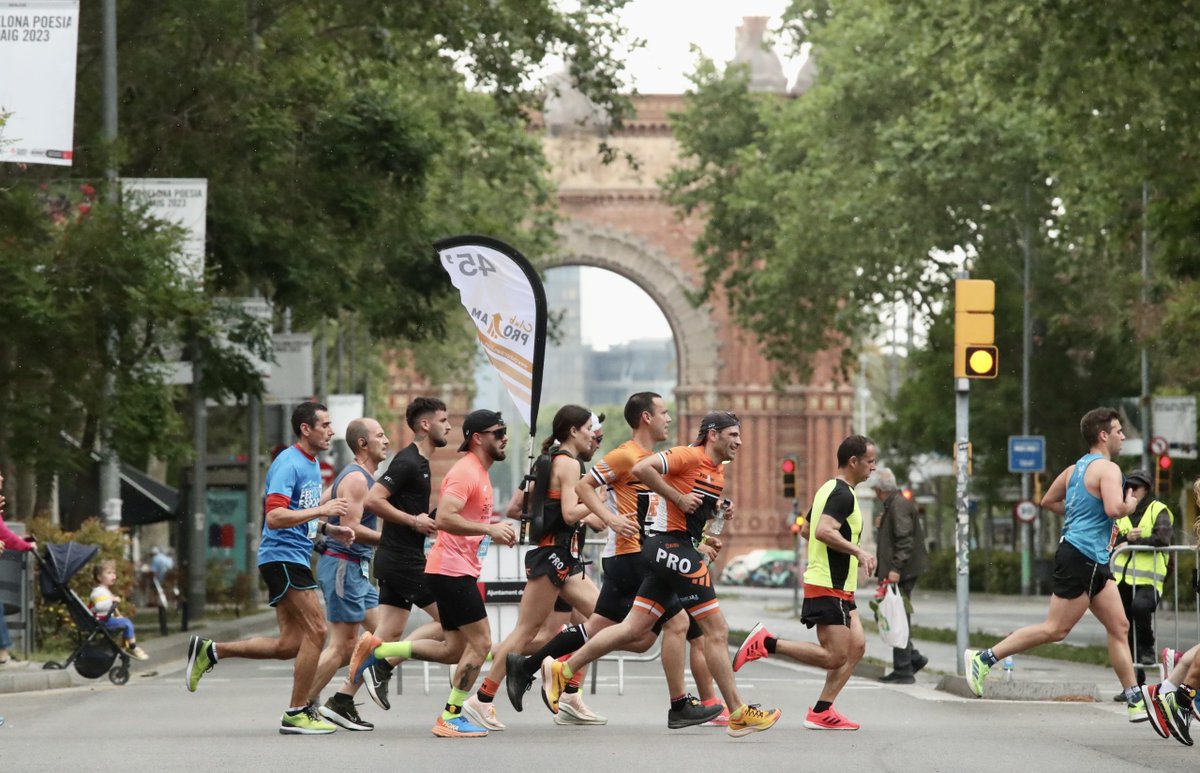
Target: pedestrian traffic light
{"points": [[788, 467], [1162, 475], [975, 355]]}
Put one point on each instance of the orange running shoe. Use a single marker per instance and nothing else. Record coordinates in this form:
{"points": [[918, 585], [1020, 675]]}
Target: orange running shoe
{"points": [[364, 655], [829, 719]]}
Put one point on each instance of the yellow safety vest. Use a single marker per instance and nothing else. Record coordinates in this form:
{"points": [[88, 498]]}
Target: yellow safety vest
{"points": [[1140, 567]]}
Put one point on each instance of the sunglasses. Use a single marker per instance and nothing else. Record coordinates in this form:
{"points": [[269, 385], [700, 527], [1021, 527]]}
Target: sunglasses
{"points": [[496, 433]]}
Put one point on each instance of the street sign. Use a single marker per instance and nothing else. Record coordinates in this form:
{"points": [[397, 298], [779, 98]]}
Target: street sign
{"points": [[1175, 421], [1026, 453], [1159, 445], [1026, 511]]}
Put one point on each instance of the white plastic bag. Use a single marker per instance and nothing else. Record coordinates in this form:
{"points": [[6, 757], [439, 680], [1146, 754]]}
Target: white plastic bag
{"points": [[893, 622]]}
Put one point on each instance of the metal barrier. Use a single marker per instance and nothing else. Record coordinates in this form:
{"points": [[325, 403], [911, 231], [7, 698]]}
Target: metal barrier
{"points": [[1173, 580]]}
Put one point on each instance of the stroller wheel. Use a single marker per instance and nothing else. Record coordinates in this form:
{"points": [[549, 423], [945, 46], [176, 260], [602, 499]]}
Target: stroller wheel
{"points": [[119, 675], [52, 665]]}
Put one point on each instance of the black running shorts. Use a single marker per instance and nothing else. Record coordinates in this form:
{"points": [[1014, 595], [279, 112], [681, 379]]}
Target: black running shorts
{"points": [[1076, 574], [622, 577], [402, 581], [284, 576], [826, 610], [458, 599], [675, 570], [554, 562]]}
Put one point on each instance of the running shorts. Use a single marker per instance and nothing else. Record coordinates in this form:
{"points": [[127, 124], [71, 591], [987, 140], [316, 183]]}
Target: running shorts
{"points": [[284, 576], [1076, 574], [458, 599]]}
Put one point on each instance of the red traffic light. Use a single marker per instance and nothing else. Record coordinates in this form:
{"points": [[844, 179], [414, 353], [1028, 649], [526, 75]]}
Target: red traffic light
{"points": [[1164, 462], [907, 493], [789, 465]]}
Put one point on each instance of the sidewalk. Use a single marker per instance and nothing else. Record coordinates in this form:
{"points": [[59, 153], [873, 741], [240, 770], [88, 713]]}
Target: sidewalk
{"points": [[1033, 678], [30, 676]]}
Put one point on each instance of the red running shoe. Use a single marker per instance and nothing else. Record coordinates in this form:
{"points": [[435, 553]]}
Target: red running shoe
{"points": [[1158, 719], [828, 720], [753, 648]]}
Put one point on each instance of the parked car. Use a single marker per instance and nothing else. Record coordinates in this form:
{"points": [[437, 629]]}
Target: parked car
{"points": [[763, 568]]}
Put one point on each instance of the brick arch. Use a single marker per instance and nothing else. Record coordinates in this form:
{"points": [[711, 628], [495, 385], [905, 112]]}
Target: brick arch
{"points": [[697, 343]]}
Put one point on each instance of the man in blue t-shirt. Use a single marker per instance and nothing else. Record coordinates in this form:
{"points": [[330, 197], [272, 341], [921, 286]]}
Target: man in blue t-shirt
{"points": [[1091, 496], [293, 517]]}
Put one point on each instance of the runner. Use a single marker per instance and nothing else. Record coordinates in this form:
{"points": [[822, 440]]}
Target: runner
{"points": [[402, 502], [555, 567], [293, 505], [452, 569], [1089, 495], [627, 498], [687, 482], [834, 556], [344, 569]]}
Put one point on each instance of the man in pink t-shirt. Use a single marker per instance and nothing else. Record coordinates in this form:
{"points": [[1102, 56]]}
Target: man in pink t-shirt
{"points": [[464, 521]]}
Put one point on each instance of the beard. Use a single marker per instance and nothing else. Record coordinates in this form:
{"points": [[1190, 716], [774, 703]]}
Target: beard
{"points": [[497, 454], [585, 456], [438, 442]]}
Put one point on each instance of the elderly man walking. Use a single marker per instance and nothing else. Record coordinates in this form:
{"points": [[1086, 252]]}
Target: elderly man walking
{"points": [[902, 559]]}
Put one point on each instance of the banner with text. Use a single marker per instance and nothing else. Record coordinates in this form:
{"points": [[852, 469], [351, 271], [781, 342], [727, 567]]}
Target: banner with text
{"points": [[505, 298], [37, 80], [182, 202]]}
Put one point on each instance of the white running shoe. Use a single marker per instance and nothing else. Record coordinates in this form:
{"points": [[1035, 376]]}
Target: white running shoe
{"points": [[572, 711], [482, 714]]}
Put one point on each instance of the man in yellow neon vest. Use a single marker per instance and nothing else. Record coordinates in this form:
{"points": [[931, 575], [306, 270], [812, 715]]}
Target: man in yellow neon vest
{"points": [[1140, 574]]}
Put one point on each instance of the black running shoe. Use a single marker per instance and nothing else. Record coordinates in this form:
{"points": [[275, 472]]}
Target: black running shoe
{"points": [[516, 680], [340, 710], [693, 713], [377, 676]]}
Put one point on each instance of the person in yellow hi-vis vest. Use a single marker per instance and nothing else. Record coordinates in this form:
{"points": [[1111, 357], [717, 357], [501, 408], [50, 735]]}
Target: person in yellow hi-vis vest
{"points": [[1140, 574]]}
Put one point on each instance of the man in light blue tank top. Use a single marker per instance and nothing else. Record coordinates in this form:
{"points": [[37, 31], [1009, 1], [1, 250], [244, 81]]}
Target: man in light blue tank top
{"points": [[1090, 496], [343, 571]]}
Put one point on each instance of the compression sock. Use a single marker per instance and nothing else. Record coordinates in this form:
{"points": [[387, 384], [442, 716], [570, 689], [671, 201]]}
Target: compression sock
{"points": [[822, 706], [394, 649], [573, 685], [487, 691], [567, 641], [988, 657], [454, 705], [769, 644]]}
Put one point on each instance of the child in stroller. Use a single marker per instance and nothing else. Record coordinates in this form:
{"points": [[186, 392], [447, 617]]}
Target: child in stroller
{"points": [[104, 606]]}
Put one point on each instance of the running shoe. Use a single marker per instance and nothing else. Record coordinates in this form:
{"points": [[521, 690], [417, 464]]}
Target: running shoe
{"points": [[829, 719], [1137, 710], [1170, 659], [1179, 719], [752, 720], [572, 711], [753, 648], [1158, 720], [376, 678], [306, 721], [200, 661], [720, 720], [340, 710], [553, 683], [516, 680], [976, 671], [364, 655], [458, 727], [693, 713], [481, 714]]}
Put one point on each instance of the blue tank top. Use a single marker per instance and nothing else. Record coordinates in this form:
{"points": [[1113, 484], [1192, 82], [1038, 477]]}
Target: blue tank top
{"points": [[1086, 526], [369, 520]]}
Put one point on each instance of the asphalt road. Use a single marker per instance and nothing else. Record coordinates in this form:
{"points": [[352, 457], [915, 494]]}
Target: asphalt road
{"points": [[230, 724]]}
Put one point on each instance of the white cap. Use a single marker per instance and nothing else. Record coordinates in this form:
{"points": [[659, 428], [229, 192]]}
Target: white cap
{"points": [[596, 426]]}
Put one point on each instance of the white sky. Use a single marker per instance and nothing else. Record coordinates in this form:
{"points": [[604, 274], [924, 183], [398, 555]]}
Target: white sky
{"points": [[670, 28]]}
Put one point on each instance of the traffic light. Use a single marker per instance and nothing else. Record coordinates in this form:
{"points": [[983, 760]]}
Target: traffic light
{"points": [[788, 467], [907, 493], [1162, 475], [975, 355]]}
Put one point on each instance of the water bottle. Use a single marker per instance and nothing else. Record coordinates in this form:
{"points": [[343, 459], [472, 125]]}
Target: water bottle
{"points": [[718, 521], [1008, 668], [483, 546]]}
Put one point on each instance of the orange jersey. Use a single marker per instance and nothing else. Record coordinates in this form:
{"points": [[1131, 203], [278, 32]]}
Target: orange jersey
{"points": [[688, 470], [615, 472], [457, 555]]}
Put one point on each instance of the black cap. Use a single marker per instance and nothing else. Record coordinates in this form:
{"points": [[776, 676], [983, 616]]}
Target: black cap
{"points": [[478, 421], [1139, 478], [717, 420]]}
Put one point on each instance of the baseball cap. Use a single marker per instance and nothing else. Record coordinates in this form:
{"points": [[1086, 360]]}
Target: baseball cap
{"points": [[717, 420], [478, 421]]}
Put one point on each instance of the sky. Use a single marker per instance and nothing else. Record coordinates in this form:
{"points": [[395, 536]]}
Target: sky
{"points": [[670, 28]]}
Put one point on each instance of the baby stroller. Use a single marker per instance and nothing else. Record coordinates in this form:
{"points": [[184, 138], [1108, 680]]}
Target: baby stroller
{"points": [[98, 647]]}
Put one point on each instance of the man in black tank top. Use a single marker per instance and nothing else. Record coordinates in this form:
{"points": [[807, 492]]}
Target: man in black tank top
{"points": [[401, 500]]}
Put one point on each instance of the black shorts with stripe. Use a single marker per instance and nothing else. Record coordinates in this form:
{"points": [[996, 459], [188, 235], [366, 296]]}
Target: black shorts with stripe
{"points": [[284, 576], [675, 570]]}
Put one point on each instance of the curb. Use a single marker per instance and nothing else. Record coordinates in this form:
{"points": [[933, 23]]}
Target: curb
{"points": [[1075, 692]]}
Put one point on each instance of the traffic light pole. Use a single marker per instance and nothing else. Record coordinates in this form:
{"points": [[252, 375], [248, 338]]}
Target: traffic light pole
{"points": [[962, 532]]}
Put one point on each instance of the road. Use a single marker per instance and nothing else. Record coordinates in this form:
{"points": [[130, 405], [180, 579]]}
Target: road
{"points": [[230, 724]]}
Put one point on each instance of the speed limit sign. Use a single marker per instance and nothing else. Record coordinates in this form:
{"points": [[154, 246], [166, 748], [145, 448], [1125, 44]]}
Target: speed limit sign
{"points": [[1026, 511]]}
